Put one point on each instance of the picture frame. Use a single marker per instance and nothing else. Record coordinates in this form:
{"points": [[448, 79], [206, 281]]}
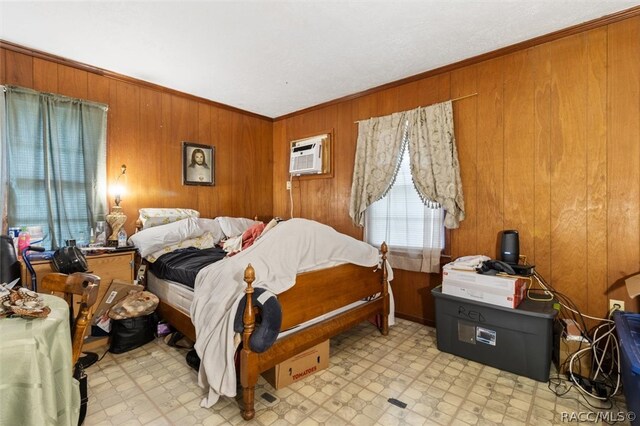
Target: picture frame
{"points": [[198, 164]]}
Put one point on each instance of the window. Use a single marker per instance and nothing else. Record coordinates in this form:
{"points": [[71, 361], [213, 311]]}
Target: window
{"points": [[56, 159], [410, 228]]}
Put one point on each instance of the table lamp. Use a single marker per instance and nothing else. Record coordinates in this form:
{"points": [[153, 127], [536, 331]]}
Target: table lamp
{"points": [[116, 218]]}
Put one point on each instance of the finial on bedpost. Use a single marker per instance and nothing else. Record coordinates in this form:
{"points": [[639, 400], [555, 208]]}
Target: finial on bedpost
{"points": [[249, 315]]}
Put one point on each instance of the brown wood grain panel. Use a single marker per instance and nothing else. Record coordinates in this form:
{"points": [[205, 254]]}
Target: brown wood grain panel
{"points": [[490, 158], [464, 240], [519, 148], [217, 194], [72, 82], [45, 76], [280, 162], [412, 295], [623, 156], [98, 88], [433, 90], [225, 165], [596, 140], [206, 194], [345, 134], [184, 118], [125, 141], [150, 184], [568, 167], [542, 161], [3, 66], [408, 96], [19, 69]]}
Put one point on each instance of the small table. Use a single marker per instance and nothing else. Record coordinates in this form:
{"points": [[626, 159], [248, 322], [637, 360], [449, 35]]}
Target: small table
{"points": [[36, 377]]}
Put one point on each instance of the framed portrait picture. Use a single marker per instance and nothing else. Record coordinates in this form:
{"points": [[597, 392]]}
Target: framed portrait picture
{"points": [[197, 164]]}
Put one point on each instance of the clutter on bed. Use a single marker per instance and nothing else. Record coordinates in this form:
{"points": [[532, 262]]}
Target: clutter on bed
{"points": [[183, 265]]}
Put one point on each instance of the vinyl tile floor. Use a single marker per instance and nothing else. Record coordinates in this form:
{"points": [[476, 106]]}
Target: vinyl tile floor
{"points": [[153, 385]]}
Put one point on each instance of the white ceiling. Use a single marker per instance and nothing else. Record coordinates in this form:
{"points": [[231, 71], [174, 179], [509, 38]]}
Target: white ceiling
{"points": [[277, 57]]}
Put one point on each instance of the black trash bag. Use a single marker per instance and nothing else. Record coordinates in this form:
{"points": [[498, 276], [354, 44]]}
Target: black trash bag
{"points": [[131, 333]]}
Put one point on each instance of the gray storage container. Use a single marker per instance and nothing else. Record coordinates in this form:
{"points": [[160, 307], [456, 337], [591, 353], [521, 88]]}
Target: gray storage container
{"points": [[516, 340]]}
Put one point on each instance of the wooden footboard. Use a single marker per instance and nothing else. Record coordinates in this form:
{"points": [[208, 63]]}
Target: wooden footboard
{"points": [[315, 293]]}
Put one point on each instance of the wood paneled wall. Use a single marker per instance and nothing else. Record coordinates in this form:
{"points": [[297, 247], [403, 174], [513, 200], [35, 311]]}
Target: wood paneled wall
{"points": [[146, 127], [550, 146]]}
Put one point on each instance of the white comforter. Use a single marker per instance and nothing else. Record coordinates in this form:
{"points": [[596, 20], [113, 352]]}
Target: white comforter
{"points": [[294, 246]]}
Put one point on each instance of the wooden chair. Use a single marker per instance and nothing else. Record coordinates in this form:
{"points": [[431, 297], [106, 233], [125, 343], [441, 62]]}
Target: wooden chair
{"points": [[86, 287]]}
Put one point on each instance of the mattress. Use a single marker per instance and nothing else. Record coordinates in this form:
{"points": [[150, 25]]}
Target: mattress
{"points": [[175, 294], [179, 296]]}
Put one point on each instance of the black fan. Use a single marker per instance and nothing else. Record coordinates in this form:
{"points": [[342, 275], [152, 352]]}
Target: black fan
{"points": [[69, 259]]}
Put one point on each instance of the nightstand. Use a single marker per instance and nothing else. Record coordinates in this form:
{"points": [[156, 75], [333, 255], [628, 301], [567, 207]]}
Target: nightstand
{"points": [[109, 266]]}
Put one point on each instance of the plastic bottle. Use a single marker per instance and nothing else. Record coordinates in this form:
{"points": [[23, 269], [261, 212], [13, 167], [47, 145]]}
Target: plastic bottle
{"points": [[122, 238], [24, 240]]}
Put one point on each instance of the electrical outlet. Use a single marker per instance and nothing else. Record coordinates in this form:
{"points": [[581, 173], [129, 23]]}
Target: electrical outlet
{"points": [[288, 185], [613, 304]]}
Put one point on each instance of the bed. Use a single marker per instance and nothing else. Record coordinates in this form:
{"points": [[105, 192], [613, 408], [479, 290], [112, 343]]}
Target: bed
{"points": [[328, 299]]}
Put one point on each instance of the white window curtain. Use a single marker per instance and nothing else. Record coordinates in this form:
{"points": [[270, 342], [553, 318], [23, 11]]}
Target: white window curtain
{"points": [[424, 140]]}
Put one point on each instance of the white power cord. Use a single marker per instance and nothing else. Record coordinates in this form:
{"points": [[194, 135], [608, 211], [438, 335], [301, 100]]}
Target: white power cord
{"points": [[291, 196], [597, 358]]}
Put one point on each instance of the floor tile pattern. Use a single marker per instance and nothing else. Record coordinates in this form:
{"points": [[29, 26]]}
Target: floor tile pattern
{"points": [[153, 385]]}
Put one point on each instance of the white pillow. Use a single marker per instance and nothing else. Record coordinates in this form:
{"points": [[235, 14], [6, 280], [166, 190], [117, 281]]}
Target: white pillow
{"points": [[153, 239], [150, 217], [234, 226], [213, 226], [204, 241]]}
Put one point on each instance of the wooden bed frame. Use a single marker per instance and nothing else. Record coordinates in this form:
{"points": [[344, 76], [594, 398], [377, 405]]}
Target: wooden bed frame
{"points": [[315, 293]]}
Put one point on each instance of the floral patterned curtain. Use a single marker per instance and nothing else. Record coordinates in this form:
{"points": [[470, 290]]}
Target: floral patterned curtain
{"points": [[434, 160], [377, 160]]}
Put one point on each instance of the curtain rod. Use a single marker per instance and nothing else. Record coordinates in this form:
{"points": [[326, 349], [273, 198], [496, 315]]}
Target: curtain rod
{"points": [[452, 100]]}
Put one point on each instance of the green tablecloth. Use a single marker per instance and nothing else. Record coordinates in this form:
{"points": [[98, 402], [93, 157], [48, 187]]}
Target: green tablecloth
{"points": [[36, 380]]}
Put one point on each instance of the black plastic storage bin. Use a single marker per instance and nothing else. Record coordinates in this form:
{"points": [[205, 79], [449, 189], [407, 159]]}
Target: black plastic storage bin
{"points": [[516, 340], [628, 330]]}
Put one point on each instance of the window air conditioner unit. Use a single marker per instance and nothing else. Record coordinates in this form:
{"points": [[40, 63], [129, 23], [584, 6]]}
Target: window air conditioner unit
{"points": [[306, 157]]}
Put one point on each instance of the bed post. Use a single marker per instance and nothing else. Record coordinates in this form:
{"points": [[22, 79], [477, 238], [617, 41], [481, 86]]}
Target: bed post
{"points": [[385, 290], [248, 372]]}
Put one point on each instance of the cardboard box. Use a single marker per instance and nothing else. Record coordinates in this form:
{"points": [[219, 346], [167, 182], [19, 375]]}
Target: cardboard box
{"points": [[505, 285], [582, 366], [568, 340], [116, 292], [499, 296], [298, 367]]}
